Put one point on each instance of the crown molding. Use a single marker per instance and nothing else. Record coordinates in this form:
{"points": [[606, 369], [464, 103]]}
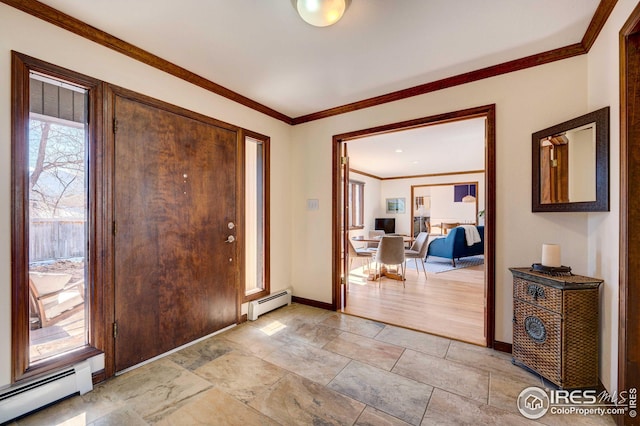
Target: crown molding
{"points": [[605, 7], [492, 71], [597, 22], [69, 23], [429, 175]]}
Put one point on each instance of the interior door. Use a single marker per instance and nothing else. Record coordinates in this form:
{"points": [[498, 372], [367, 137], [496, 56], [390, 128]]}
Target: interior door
{"points": [[176, 266], [346, 212]]}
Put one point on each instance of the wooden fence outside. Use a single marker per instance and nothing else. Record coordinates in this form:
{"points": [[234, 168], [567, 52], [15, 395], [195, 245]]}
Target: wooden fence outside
{"points": [[51, 239]]}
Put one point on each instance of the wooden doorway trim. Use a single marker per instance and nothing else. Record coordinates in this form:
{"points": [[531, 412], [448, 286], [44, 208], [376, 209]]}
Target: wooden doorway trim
{"points": [[629, 266], [488, 111]]}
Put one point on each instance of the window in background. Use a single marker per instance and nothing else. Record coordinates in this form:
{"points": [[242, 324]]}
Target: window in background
{"points": [[256, 218], [356, 204]]}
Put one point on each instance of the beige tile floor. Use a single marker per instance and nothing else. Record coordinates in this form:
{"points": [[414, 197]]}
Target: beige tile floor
{"points": [[305, 366]]}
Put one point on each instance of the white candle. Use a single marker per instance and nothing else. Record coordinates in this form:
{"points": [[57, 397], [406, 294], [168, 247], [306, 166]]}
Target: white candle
{"points": [[551, 255]]}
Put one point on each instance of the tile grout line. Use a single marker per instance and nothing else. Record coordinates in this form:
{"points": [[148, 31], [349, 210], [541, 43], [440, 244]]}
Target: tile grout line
{"points": [[360, 415], [243, 350], [398, 360], [433, 388], [447, 351], [270, 388], [369, 338], [489, 388], [337, 374]]}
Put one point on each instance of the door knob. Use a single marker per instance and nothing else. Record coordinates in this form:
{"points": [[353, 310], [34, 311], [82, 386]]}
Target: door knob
{"points": [[230, 239]]}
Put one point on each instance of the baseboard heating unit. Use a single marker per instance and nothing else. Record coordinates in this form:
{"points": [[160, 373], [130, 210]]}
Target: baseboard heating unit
{"points": [[18, 400], [268, 303]]}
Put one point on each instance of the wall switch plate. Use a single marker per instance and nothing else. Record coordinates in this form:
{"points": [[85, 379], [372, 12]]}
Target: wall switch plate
{"points": [[313, 204]]}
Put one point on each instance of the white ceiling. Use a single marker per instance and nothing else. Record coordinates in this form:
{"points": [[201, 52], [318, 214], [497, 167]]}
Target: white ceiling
{"points": [[443, 148], [264, 51]]}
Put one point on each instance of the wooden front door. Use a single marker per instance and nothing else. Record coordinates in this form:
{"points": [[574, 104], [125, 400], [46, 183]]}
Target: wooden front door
{"points": [[176, 276]]}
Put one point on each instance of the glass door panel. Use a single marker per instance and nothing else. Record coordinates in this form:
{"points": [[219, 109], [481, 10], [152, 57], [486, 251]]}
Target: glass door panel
{"points": [[57, 217]]}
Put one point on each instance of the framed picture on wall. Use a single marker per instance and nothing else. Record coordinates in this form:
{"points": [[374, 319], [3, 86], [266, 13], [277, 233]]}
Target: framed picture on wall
{"points": [[465, 193], [395, 205]]}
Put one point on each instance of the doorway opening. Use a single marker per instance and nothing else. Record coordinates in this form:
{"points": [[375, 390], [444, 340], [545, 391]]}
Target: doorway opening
{"points": [[482, 276]]}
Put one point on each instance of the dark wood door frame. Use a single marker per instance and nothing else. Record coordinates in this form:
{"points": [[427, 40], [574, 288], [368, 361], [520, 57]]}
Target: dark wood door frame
{"points": [[21, 368], [629, 267], [488, 111]]}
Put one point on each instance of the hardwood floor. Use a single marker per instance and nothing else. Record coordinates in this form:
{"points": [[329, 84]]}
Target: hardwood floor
{"points": [[449, 304]]}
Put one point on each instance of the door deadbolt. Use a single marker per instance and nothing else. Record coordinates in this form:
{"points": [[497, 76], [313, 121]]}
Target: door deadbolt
{"points": [[230, 239], [231, 225]]}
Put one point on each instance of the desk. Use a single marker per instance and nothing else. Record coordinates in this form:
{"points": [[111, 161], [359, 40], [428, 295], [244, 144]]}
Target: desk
{"points": [[405, 238]]}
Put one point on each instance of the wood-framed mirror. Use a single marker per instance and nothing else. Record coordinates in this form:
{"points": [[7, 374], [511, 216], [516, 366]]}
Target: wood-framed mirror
{"points": [[570, 165]]}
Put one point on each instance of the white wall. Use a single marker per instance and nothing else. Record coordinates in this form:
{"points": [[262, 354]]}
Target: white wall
{"points": [[401, 188], [25, 34], [377, 191], [604, 228], [445, 210], [526, 101]]}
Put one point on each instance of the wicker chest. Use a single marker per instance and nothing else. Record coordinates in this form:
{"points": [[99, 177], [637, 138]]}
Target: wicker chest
{"points": [[555, 326]]}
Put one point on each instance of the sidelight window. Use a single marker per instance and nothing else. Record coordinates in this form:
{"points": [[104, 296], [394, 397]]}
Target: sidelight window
{"points": [[356, 204], [256, 217], [52, 216], [57, 217]]}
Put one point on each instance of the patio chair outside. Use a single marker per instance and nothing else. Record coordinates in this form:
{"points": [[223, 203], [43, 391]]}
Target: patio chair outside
{"points": [[53, 298]]}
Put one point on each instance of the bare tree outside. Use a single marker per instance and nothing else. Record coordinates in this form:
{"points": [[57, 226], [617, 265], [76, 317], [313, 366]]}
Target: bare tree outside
{"points": [[57, 170]]}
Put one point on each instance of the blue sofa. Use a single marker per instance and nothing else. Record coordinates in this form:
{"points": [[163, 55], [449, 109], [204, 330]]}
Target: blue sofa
{"points": [[454, 245]]}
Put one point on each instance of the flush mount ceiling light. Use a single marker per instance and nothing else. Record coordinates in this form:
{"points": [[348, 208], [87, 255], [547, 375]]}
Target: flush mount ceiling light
{"points": [[321, 13]]}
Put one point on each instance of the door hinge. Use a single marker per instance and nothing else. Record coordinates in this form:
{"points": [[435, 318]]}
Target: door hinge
{"points": [[344, 160], [115, 125], [114, 227], [115, 330], [342, 281]]}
